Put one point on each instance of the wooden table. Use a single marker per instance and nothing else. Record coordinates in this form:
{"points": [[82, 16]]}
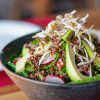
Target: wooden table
{"points": [[13, 93]]}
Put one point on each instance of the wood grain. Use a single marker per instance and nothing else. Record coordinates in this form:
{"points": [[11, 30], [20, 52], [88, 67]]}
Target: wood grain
{"points": [[14, 96], [8, 89]]}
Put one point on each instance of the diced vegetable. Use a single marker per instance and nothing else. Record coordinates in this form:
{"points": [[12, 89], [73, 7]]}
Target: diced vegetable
{"points": [[60, 64], [16, 60]]}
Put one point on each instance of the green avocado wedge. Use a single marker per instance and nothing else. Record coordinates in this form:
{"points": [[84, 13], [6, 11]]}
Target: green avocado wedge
{"points": [[67, 36], [90, 52], [20, 65], [71, 67], [87, 80], [24, 51]]}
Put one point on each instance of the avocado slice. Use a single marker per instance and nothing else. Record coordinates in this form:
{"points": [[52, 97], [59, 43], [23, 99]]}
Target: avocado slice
{"points": [[90, 52], [68, 35], [20, 65], [24, 51], [87, 80], [71, 67]]}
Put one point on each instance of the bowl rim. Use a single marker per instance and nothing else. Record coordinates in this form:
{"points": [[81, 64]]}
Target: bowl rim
{"points": [[42, 82]]}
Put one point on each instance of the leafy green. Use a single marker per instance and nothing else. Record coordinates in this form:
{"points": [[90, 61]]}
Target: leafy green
{"points": [[59, 72], [87, 80], [12, 58], [48, 66], [96, 68], [11, 66], [29, 67], [57, 56], [63, 69], [47, 38], [24, 73], [36, 41]]}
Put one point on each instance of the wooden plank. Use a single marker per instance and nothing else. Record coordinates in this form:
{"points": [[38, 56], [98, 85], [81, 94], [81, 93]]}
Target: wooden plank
{"points": [[8, 89], [14, 96]]}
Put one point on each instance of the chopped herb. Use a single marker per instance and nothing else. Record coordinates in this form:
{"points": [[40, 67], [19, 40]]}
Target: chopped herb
{"points": [[63, 69], [57, 56], [63, 46], [24, 73], [13, 57], [29, 67], [96, 68], [58, 72], [36, 41], [11, 66], [47, 38], [48, 66], [40, 76]]}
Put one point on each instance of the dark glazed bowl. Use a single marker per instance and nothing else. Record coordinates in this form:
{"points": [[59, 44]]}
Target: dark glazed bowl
{"points": [[37, 90]]}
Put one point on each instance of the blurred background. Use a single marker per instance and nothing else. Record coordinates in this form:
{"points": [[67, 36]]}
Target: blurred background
{"points": [[25, 9], [18, 9]]}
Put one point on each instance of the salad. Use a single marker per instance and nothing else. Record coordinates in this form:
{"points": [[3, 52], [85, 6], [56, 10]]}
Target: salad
{"points": [[65, 52]]}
